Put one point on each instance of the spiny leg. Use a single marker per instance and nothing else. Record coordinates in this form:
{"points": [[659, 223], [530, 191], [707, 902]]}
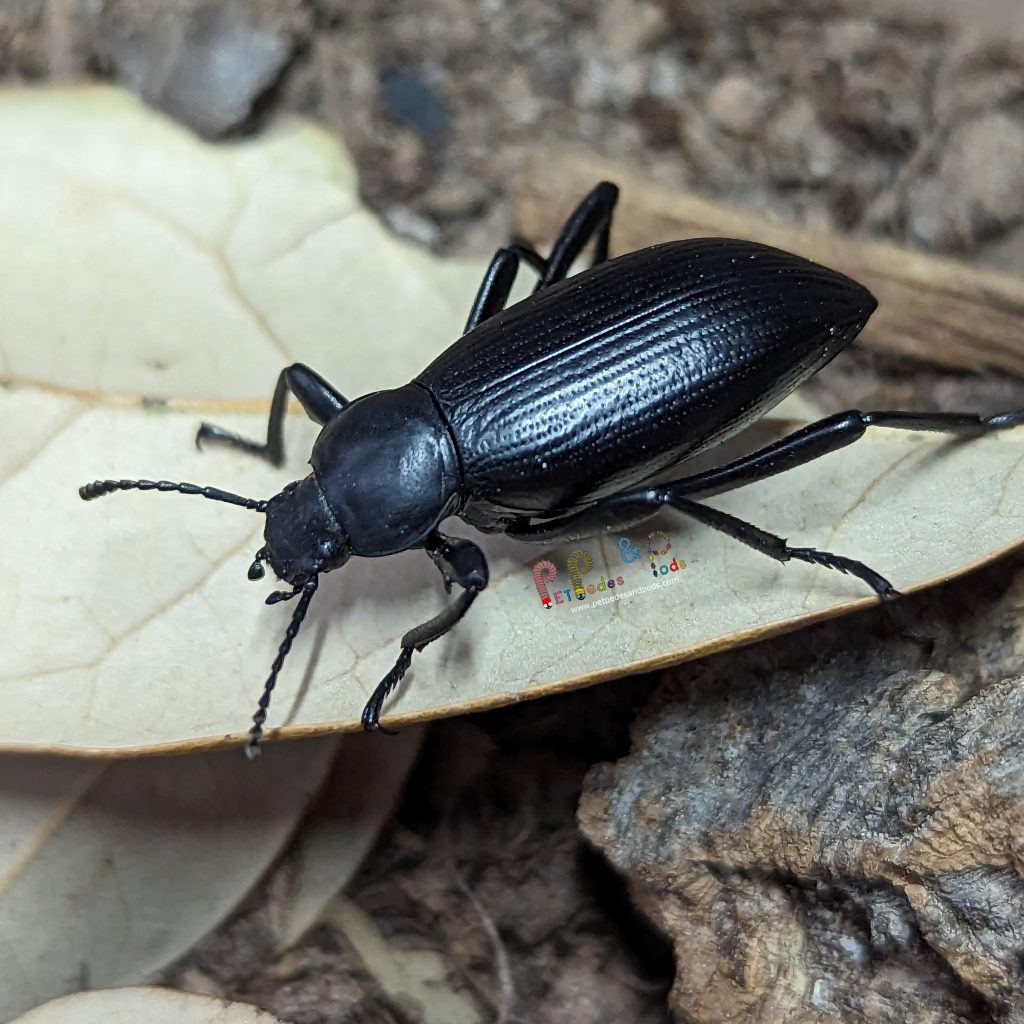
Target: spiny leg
{"points": [[415, 640], [776, 547], [592, 216], [319, 399], [829, 435], [628, 508], [459, 561], [631, 507]]}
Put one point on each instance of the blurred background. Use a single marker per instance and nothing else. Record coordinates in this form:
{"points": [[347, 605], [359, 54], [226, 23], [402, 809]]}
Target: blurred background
{"points": [[900, 120], [903, 118]]}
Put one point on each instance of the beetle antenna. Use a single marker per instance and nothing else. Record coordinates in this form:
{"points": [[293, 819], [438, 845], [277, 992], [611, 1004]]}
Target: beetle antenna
{"points": [[100, 487], [308, 589]]}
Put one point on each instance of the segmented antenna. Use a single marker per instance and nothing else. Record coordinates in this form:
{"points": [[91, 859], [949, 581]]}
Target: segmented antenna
{"points": [[100, 487], [252, 748]]}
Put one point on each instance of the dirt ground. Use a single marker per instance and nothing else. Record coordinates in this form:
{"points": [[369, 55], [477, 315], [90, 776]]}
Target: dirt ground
{"points": [[906, 126]]}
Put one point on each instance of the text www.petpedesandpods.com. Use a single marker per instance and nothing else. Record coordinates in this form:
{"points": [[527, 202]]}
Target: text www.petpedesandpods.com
{"points": [[627, 594]]}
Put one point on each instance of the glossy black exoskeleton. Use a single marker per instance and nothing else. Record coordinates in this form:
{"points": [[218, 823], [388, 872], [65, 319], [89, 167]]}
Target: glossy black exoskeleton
{"points": [[548, 419]]}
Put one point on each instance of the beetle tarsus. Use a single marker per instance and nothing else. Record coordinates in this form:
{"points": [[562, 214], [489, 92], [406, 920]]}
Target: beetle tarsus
{"points": [[262, 450], [371, 713], [878, 583]]}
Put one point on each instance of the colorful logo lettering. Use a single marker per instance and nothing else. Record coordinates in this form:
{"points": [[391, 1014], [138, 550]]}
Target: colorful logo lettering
{"points": [[544, 573]]}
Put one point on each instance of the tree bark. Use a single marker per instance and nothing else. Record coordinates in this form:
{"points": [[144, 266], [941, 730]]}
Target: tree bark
{"points": [[837, 837]]}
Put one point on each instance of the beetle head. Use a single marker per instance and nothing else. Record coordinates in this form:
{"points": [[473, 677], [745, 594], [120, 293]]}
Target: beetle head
{"points": [[303, 537]]}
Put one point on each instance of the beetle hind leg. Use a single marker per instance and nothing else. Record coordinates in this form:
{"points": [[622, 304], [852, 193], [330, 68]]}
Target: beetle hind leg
{"points": [[630, 508], [592, 219], [497, 284], [776, 547], [620, 511], [829, 435]]}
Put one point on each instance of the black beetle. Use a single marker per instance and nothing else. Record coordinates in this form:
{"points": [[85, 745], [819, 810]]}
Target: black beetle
{"points": [[548, 419]]}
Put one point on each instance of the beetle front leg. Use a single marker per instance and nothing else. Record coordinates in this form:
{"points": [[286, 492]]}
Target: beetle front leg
{"points": [[459, 561], [317, 397]]}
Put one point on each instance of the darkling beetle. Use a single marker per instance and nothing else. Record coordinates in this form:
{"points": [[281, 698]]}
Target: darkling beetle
{"points": [[548, 419]]}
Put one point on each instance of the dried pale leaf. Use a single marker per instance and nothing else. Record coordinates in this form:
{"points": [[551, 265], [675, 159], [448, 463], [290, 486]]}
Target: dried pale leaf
{"points": [[417, 979], [111, 870], [130, 625], [152, 1005], [188, 270], [153, 637], [337, 833]]}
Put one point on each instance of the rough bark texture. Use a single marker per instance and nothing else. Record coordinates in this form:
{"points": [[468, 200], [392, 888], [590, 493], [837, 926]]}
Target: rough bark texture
{"points": [[836, 837]]}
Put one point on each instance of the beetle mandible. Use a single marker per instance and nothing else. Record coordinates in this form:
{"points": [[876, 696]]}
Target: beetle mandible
{"points": [[548, 419]]}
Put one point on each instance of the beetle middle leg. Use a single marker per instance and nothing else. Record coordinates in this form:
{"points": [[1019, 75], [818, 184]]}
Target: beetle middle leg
{"points": [[459, 561], [593, 217], [811, 442], [831, 434], [498, 281], [319, 399]]}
